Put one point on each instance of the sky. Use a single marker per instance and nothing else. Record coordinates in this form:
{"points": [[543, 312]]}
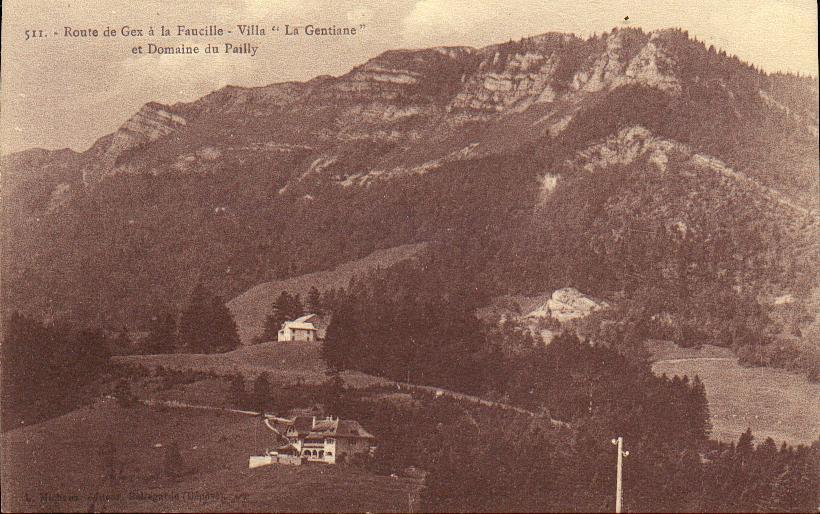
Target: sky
{"points": [[58, 92]]}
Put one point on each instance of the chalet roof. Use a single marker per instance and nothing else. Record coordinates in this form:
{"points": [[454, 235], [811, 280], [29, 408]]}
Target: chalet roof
{"points": [[298, 326], [300, 323]]}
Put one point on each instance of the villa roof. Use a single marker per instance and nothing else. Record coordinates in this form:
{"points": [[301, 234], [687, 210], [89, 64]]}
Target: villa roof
{"points": [[308, 426], [303, 424], [350, 428], [288, 448]]}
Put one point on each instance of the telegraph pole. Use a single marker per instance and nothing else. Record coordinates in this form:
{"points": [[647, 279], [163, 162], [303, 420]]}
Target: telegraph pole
{"points": [[619, 442]]}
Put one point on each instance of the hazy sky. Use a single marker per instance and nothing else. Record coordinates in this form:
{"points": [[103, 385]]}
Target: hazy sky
{"points": [[59, 92]]}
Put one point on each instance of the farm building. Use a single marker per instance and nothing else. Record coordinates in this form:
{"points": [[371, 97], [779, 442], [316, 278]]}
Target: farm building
{"points": [[329, 440], [300, 329]]}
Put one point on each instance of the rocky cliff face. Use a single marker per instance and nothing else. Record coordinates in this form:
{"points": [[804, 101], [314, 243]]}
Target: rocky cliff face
{"points": [[154, 121], [422, 107]]}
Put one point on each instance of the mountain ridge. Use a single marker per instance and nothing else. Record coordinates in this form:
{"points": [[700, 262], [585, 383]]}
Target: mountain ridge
{"points": [[249, 185]]}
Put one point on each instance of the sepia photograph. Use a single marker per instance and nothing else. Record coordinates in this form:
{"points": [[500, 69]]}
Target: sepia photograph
{"points": [[409, 256]]}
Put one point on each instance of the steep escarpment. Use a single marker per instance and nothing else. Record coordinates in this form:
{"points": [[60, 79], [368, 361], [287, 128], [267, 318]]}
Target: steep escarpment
{"points": [[152, 122], [421, 106]]}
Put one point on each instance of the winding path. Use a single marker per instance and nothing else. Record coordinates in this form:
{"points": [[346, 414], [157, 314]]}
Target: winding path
{"points": [[685, 359], [437, 391]]}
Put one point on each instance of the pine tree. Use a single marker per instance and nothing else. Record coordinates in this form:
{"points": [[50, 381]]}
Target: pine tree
{"points": [[331, 298], [84, 351], [297, 308], [745, 446], [333, 391], [262, 393], [314, 301], [237, 394], [224, 332], [341, 342], [699, 411], [193, 323], [207, 326], [287, 307], [161, 333]]}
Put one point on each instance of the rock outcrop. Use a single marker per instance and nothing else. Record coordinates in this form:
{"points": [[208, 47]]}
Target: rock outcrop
{"points": [[152, 122], [633, 143], [568, 304]]}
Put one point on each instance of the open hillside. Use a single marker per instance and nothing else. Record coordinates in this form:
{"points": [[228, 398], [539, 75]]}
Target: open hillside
{"points": [[250, 308]]}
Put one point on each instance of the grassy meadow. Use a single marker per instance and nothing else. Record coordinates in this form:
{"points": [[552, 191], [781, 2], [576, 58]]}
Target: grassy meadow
{"points": [[772, 402], [285, 363]]}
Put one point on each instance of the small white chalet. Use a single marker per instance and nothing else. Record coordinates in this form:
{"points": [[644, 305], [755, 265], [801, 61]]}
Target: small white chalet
{"points": [[300, 329]]}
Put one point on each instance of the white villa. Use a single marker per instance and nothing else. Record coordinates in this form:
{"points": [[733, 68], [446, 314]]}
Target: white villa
{"points": [[299, 329], [328, 440]]}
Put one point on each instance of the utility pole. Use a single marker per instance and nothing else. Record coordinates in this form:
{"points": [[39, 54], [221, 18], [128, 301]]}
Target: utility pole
{"points": [[619, 442]]}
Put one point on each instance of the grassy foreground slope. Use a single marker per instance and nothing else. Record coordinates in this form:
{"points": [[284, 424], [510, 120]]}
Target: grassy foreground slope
{"points": [[250, 308], [58, 466]]}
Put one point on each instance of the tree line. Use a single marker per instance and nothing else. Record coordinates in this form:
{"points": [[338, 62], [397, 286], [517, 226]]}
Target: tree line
{"points": [[416, 328], [48, 369], [408, 325], [205, 326]]}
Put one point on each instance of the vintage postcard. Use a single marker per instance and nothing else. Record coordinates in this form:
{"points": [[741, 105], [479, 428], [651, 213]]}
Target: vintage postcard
{"points": [[409, 256]]}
